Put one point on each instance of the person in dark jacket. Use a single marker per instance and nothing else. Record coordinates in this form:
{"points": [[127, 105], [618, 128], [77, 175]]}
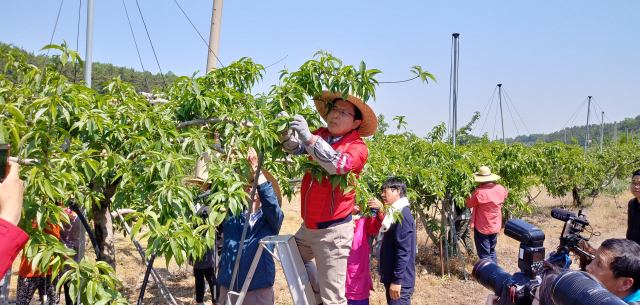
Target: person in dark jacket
{"points": [[204, 269], [265, 219], [398, 251], [633, 227]]}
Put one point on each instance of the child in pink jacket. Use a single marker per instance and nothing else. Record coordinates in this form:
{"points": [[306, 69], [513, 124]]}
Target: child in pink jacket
{"points": [[359, 281]]}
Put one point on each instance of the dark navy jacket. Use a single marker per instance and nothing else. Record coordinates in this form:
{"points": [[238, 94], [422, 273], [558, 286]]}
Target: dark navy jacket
{"points": [[267, 225], [398, 252]]}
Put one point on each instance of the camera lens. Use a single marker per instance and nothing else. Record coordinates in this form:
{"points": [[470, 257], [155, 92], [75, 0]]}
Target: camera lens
{"points": [[575, 288], [490, 275]]}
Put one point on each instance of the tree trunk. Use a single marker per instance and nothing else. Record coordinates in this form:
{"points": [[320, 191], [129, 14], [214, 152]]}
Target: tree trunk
{"points": [[576, 197], [103, 225]]}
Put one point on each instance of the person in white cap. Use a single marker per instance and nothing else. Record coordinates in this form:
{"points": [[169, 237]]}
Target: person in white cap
{"points": [[486, 219]]}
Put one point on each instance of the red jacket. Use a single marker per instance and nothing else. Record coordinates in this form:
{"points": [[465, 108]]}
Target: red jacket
{"points": [[12, 240], [486, 202], [320, 201]]}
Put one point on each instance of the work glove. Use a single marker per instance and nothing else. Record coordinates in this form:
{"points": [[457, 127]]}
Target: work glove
{"points": [[301, 126], [288, 140]]}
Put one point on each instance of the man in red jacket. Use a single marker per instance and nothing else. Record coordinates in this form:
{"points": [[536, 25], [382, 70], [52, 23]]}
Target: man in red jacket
{"points": [[12, 239], [327, 231]]}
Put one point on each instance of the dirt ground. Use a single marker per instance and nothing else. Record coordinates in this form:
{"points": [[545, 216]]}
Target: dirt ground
{"points": [[607, 214]]}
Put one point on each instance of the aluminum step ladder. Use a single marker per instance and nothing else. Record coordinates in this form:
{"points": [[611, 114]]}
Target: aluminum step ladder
{"points": [[5, 284], [288, 256]]}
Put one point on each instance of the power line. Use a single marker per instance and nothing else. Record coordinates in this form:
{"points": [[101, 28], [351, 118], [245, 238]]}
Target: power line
{"points": [[485, 108], [136, 44], [511, 114], [488, 113], [516, 109], [77, 39], [152, 48], [574, 114], [495, 120], [194, 27], [50, 42], [276, 62]]}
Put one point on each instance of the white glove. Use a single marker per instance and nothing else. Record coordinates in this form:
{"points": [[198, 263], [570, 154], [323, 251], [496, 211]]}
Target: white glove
{"points": [[301, 126]]}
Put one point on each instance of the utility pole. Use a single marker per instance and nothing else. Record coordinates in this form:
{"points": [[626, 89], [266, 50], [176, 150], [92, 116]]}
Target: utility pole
{"points": [[455, 87], [601, 131], [586, 138], [87, 58], [565, 137], [214, 37], [501, 117], [615, 133], [627, 136]]}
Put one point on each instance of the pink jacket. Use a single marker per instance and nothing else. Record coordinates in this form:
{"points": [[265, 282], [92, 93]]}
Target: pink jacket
{"points": [[486, 202], [359, 281]]}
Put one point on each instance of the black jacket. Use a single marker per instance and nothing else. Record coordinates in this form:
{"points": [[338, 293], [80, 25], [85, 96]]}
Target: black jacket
{"points": [[633, 228], [398, 252]]}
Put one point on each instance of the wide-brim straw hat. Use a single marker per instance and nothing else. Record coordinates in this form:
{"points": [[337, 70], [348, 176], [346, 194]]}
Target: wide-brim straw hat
{"points": [[369, 120], [485, 175], [270, 178]]}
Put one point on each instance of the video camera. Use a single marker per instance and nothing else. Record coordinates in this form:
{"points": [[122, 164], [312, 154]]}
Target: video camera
{"points": [[570, 239], [515, 289]]}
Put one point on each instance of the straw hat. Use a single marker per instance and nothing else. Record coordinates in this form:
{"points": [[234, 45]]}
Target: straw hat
{"points": [[270, 178], [369, 120], [201, 172], [485, 175]]}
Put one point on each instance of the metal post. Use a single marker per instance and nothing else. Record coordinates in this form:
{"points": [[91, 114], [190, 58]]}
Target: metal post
{"points": [[601, 131], [455, 87], [586, 138], [627, 136], [214, 37], [565, 137], [501, 116], [87, 59], [615, 133]]}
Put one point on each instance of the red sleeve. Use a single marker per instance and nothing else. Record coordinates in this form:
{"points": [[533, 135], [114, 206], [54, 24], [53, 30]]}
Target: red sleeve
{"points": [[472, 201], [355, 157], [12, 240], [373, 224]]}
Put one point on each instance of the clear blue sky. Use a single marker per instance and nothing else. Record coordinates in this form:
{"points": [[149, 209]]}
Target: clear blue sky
{"points": [[549, 55]]}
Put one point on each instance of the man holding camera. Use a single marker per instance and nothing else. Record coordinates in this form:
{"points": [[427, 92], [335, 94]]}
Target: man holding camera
{"points": [[486, 219], [633, 228], [617, 266]]}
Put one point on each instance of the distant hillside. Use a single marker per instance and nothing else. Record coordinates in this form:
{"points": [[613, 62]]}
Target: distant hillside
{"points": [[576, 134], [100, 72]]}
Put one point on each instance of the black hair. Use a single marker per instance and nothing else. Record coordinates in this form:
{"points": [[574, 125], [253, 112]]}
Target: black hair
{"points": [[358, 113], [396, 184], [627, 261], [636, 173], [551, 272]]}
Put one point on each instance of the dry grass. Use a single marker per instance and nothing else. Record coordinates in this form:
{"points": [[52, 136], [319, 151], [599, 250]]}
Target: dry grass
{"points": [[606, 216]]}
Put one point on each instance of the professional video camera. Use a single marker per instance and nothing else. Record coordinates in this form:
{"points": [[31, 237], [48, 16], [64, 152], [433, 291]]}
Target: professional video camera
{"points": [[575, 288], [516, 288], [571, 241]]}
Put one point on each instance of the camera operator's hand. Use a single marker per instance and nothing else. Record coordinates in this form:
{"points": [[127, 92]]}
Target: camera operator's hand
{"points": [[492, 299], [394, 291], [374, 203], [11, 193]]}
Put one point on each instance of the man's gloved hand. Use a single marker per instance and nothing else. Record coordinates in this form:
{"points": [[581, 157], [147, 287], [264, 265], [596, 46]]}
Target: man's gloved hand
{"points": [[288, 140], [301, 126]]}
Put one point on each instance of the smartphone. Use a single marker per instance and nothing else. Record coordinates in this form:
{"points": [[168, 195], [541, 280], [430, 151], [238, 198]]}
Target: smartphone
{"points": [[5, 152]]}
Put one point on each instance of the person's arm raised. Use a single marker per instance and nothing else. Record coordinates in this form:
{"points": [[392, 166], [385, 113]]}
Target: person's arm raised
{"points": [[11, 194]]}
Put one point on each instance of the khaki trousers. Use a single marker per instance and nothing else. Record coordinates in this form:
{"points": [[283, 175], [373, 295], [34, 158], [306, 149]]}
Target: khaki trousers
{"points": [[262, 296], [330, 247]]}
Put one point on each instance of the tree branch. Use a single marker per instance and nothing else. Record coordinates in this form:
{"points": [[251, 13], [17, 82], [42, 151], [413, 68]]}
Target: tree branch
{"points": [[209, 121], [26, 162], [114, 214]]}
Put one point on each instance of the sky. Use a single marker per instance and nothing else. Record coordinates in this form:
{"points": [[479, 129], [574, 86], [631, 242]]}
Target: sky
{"points": [[549, 55]]}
